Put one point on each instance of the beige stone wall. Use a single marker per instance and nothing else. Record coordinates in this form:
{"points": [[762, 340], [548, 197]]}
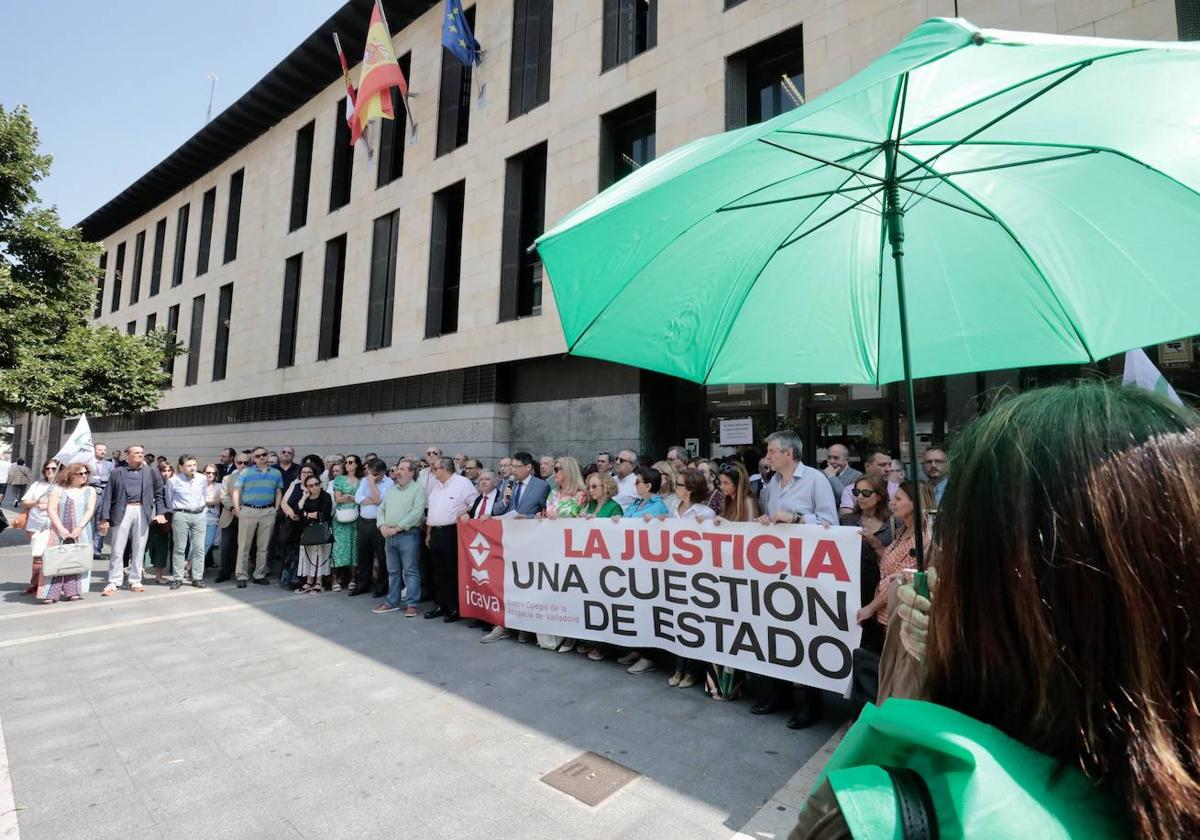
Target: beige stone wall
{"points": [[686, 70]]}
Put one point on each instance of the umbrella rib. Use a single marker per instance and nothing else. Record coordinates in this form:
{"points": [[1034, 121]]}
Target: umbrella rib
{"points": [[827, 134], [832, 163], [823, 194], [832, 218], [967, 106], [728, 206], [942, 201], [994, 167], [1004, 115], [1021, 246]]}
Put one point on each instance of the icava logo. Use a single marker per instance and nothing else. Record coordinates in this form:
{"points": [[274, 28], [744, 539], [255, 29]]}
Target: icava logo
{"points": [[480, 549]]}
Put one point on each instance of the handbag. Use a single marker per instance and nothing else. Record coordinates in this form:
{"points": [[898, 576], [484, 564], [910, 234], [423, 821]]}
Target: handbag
{"points": [[346, 515], [21, 520], [68, 558], [316, 533]]}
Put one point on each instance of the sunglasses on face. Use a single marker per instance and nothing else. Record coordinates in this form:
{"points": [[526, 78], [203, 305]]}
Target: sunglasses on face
{"points": [[210, 472], [260, 455], [866, 494], [50, 469]]}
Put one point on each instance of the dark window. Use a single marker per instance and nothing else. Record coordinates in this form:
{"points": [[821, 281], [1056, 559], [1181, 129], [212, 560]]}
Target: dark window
{"points": [[524, 219], [381, 297], [1187, 13], [393, 134], [291, 311], [118, 272], [221, 349], [233, 217], [181, 231], [331, 299], [173, 335], [630, 28], [765, 80], [208, 209], [301, 176], [139, 251], [729, 4], [529, 82], [626, 139], [193, 356], [343, 159], [156, 262], [131, 328], [454, 100], [151, 322], [445, 261], [99, 310]]}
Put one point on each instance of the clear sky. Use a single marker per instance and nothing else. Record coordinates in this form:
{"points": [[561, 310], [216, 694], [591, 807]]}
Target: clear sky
{"points": [[114, 86]]}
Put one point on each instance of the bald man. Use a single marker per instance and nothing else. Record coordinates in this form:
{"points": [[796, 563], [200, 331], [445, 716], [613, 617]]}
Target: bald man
{"points": [[838, 470]]}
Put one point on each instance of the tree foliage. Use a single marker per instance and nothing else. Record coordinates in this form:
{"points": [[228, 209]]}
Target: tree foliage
{"points": [[52, 361]]}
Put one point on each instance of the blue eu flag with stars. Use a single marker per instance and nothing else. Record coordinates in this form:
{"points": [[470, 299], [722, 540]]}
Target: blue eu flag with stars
{"points": [[456, 34]]}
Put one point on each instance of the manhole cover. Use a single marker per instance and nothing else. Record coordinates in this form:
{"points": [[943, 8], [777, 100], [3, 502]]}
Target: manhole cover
{"points": [[591, 778]]}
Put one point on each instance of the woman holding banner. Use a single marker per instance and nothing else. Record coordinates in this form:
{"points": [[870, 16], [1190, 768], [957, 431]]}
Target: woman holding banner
{"points": [[874, 520], [648, 503], [670, 479], [1059, 651], [601, 487], [739, 503], [694, 492], [569, 495]]}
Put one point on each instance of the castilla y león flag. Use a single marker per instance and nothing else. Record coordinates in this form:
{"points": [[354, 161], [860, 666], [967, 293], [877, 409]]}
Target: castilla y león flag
{"points": [[379, 73], [779, 600]]}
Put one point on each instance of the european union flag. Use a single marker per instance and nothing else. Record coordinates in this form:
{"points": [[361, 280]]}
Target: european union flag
{"points": [[456, 34]]}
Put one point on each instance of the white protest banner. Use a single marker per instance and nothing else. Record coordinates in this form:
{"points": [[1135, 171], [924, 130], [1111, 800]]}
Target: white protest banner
{"points": [[778, 600], [78, 447]]}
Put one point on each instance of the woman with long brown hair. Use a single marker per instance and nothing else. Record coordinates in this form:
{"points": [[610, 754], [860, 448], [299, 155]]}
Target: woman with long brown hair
{"points": [[872, 516], [1062, 668], [734, 484]]}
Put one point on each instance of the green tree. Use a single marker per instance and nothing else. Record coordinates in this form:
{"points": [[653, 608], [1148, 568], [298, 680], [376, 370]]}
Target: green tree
{"points": [[52, 361]]}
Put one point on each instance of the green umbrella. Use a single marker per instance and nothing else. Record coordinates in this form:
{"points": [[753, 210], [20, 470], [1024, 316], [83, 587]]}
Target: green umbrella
{"points": [[1046, 187]]}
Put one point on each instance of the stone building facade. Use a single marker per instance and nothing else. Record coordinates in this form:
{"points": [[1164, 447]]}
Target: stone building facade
{"points": [[574, 93]]}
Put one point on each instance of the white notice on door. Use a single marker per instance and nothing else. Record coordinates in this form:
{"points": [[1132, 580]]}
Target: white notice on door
{"points": [[737, 431]]}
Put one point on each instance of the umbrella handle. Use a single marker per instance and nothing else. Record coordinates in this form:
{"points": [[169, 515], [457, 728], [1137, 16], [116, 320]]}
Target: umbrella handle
{"points": [[921, 583]]}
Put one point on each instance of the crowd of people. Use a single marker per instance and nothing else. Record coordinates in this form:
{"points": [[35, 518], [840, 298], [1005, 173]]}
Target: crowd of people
{"points": [[1052, 660], [355, 524]]}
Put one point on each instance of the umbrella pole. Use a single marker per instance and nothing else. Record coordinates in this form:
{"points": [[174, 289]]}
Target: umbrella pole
{"points": [[895, 224]]}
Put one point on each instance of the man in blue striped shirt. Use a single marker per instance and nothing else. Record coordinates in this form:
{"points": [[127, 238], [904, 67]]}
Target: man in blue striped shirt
{"points": [[256, 495]]}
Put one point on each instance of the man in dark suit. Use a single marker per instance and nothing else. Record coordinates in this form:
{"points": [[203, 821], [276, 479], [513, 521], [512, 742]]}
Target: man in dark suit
{"points": [[525, 494], [489, 496], [132, 497]]}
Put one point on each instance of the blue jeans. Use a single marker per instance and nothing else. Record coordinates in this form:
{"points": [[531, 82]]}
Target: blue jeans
{"points": [[403, 553]]}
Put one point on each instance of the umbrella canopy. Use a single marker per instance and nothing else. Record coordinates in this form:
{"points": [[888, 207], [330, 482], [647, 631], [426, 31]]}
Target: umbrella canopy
{"points": [[1049, 189]]}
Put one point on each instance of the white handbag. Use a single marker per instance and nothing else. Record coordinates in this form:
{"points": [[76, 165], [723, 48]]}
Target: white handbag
{"points": [[346, 515], [67, 559]]}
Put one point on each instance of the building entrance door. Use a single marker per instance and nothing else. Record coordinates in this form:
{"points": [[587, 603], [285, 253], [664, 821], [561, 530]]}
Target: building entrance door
{"points": [[859, 425]]}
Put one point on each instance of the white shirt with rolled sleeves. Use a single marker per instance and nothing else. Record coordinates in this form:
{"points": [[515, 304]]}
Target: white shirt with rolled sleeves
{"points": [[808, 494], [449, 500], [183, 493], [383, 484]]}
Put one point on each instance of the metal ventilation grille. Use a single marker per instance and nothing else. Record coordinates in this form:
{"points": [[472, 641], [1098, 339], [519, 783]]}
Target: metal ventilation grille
{"points": [[590, 778], [1187, 13]]}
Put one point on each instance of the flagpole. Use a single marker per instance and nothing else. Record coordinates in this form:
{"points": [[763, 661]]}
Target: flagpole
{"points": [[403, 95]]}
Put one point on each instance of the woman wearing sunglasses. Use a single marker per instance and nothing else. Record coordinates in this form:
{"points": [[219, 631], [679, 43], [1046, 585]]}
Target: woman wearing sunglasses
{"points": [[70, 508], [34, 505], [878, 528]]}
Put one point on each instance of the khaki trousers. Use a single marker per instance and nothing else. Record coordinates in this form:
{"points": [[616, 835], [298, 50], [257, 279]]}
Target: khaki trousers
{"points": [[254, 523]]}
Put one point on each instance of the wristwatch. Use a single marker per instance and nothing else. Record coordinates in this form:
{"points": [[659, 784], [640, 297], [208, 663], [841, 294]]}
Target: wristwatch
{"points": [[797, 518]]}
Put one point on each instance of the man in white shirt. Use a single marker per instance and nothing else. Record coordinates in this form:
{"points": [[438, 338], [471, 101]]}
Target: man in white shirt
{"points": [[185, 499], [626, 475], [450, 496], [372, 548]]}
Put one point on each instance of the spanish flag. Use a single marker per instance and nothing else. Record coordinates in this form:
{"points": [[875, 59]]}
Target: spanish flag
{"points": [[378, 74]]}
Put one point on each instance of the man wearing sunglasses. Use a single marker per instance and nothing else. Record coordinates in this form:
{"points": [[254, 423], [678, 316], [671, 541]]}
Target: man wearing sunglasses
{"points": [[256, 495], [228, 522]]}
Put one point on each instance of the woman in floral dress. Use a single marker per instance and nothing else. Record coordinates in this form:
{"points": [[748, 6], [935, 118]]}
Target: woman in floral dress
{"points": [[345, 534], [71, 507]]}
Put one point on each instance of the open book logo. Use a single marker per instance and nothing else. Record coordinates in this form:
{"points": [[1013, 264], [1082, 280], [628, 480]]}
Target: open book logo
{"points": [[480, 576]]}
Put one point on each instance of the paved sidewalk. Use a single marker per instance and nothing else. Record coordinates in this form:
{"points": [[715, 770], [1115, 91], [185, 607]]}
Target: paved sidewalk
{"points": [[256, 713]]}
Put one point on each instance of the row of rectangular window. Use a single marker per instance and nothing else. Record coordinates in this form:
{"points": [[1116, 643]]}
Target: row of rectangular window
{"points": [[207, 213], [221, 346]]}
